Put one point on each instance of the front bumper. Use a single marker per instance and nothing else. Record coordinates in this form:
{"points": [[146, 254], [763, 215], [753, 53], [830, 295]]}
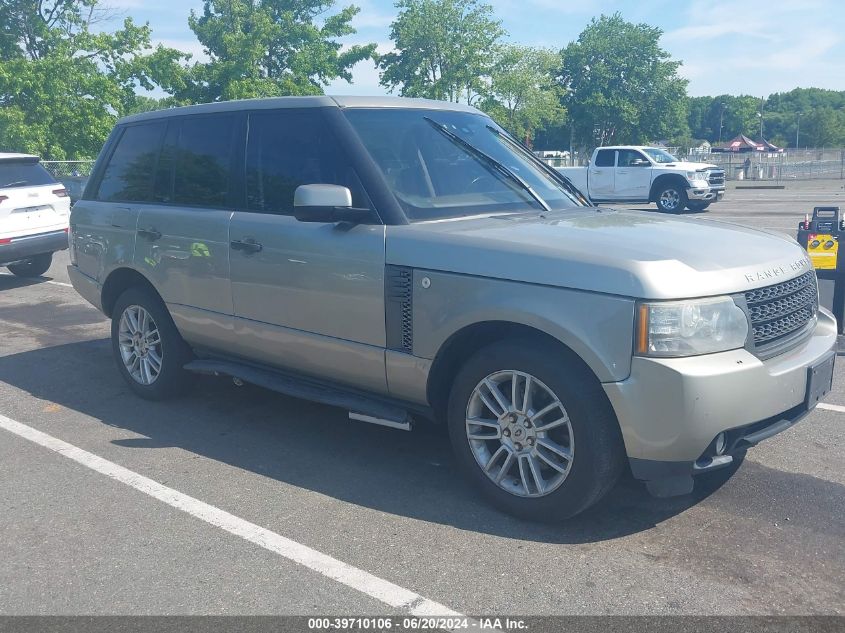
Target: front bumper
{"points": [[21, 248], [706, 194], [670, 410]]}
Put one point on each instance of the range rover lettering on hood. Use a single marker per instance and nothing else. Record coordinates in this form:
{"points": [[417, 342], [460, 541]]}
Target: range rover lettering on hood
{"points": [[772, 273]]}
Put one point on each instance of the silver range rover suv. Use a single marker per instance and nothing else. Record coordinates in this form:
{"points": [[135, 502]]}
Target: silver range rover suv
{"points": [[410, 260]]}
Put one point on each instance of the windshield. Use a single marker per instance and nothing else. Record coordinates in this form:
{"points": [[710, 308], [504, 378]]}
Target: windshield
{"points": [[660, 155], [446, 164]]}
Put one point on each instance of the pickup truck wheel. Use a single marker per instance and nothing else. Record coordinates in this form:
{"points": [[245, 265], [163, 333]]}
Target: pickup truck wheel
{"points": [[536, 435], [32, 267], [148, 349], [672, 199], [694, 205]]}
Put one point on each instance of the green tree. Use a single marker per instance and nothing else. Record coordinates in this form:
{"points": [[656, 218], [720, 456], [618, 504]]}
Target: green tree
{"points": [[445, 49], [64, 79], [736, 115], [268, 48], [621, 86], [823, 127], [524, 95]]}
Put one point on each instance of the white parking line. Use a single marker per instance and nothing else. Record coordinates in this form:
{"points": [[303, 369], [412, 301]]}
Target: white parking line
{"points": [[46, 281], [358, 579], [830, 407]]}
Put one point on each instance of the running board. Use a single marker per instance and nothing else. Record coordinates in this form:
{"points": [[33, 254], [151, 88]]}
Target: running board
{"points": [[367, 408], [360, 417]]}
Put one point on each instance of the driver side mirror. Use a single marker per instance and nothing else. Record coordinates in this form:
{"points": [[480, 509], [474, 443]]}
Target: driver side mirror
{"points": [[327, 203], [640, 162]]}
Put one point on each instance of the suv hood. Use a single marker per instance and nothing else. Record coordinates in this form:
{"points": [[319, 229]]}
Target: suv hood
{"points": [[635, 254]]}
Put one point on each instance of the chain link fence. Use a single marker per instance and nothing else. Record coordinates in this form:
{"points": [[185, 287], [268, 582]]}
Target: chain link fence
{"points": [[805, 164], [73, 174], [802, 164]]}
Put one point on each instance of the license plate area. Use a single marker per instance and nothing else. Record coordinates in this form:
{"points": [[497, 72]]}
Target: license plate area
{"points": [[819, 380]]}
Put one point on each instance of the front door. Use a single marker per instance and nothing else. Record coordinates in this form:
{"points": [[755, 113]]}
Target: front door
{"points": [[308, 297], [633, 175], [182, 242]]}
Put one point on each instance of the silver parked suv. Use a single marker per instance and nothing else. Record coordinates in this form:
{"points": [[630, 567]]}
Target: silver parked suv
{"points": [[410, 259]]}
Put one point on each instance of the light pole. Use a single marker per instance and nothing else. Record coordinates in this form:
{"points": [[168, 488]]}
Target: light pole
{"points": [[721, 116], [761, 119], [797, 130]]}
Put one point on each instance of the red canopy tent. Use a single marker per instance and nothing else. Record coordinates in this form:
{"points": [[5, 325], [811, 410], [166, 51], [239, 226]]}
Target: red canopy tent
{"points": [[740, 143], [770, 147]]}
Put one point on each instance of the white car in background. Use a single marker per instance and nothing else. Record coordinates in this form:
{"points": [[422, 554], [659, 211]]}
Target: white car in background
{"points": [[34, 212]]}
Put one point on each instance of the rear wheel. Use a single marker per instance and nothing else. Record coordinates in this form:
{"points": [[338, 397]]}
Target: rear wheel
{"points": [[697, 205], [672, 198], [148, 349], [33, 267], [536, 435]]}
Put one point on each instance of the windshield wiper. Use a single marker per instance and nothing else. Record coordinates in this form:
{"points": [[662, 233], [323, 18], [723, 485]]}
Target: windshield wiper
{"points": [[17, 183], [555, 174], [492, 162]]}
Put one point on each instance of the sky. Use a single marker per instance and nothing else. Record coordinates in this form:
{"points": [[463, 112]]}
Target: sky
{"points": [[754, 47]]}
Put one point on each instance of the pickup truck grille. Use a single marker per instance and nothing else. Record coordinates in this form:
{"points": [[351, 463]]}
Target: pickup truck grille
{"points": [[716, 178], [777, 312]]}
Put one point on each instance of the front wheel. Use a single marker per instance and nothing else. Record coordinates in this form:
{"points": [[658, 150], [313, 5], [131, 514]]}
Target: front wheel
{"points": [[148, 349], [32, 267], [672, 199], [697, 205], [535, 434]]}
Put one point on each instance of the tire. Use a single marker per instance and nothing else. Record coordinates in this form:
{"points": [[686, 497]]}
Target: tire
{"points": [[171, 352], [592, 436], [698, 206], [671, 198], [33, 267]]}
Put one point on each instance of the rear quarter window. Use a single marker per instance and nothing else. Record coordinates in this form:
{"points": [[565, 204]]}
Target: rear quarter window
{"points": [[23, 174], [128, 176]]}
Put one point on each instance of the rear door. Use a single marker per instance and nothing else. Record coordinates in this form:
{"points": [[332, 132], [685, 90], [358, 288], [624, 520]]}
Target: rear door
{"points": [[182, 234], [104, 225], [633, 175], [601, 177], [31, 201]]}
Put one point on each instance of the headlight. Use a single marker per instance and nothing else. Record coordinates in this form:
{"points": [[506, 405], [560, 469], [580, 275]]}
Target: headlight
{"points": [[688, 328], [696, 175]]}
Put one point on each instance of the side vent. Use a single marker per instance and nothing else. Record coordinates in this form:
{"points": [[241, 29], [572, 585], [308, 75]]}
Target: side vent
{"points": [[398, 295]]}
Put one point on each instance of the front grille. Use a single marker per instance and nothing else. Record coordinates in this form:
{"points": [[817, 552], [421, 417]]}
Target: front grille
{"points": [[716, 178], [780, 311]]}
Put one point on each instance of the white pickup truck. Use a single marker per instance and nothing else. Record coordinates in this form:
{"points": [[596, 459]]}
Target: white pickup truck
{"points": [[637, 174]]}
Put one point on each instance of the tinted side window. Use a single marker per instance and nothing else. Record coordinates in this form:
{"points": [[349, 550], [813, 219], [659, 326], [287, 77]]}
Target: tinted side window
{"points": [[202, 161], [289, 148], [128, 177], [604, 158]]}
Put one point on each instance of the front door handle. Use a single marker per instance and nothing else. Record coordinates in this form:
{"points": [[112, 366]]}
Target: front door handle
{"points": [[248, 245], [150, 234]]}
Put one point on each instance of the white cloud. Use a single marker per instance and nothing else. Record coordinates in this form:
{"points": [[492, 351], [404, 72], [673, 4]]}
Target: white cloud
{"points": [[186, 46], [758, 46]]}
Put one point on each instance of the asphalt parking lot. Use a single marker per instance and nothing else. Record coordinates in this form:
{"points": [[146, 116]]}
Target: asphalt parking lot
{"points": [[271, 505]]}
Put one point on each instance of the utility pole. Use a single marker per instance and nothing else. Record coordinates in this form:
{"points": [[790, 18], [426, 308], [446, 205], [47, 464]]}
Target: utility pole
{"points": [[761, 119], [721, 116], [797, 130]]}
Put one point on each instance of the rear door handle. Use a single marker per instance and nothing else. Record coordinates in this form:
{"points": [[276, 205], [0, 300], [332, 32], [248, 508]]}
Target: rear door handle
{"points": [[248, 245], [151, 234]]}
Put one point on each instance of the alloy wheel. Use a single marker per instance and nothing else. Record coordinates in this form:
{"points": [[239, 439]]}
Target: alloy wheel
{"points": [[520, 433]]}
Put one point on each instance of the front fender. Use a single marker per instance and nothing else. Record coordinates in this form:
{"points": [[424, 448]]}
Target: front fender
{"points": [[597, 327]]}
